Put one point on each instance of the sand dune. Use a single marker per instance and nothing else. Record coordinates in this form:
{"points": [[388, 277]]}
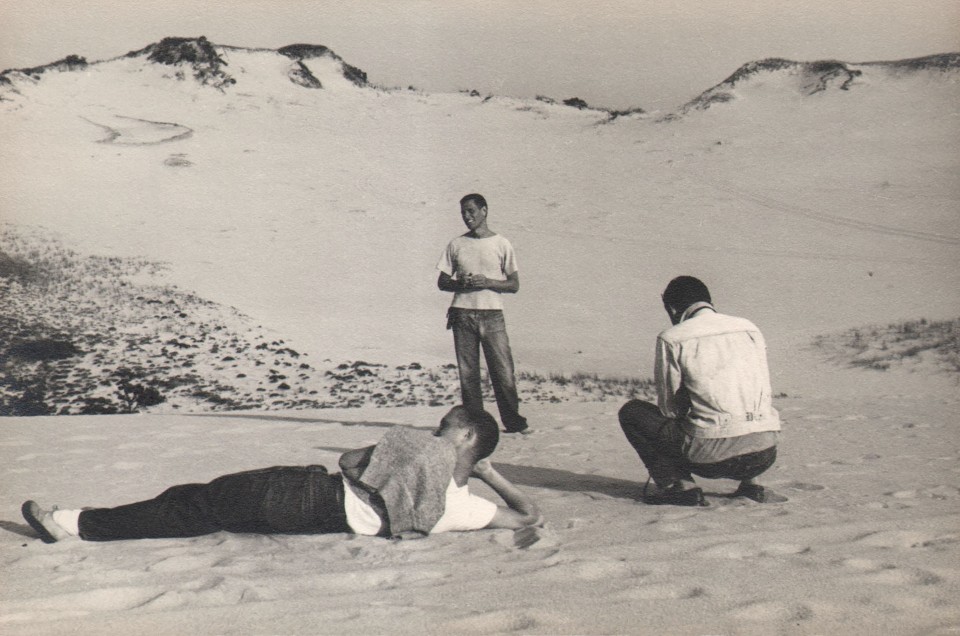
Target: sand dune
{"points": [[305, 213]]}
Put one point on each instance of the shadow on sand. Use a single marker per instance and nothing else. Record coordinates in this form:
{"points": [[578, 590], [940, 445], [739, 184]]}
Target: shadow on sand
{"points": [[18, 528], [555, 479], [307, 420]]}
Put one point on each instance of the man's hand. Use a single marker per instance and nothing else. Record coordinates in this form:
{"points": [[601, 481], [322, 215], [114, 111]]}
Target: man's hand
{"points": [[539, 536], [522, 510], [474, 281]]}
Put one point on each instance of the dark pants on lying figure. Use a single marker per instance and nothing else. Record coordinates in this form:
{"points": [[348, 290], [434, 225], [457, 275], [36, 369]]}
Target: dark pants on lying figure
{"points": [[278, 500], [662, 446]]}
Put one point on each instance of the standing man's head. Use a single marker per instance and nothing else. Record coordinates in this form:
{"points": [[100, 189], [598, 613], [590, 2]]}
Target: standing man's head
{"points": [[473, 433], [682, 292], [473, 210]]}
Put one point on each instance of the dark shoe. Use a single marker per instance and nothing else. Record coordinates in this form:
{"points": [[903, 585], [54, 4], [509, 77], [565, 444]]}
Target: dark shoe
{"points": [[524, 429], [676, 497], [42, 521], [758, 493]]}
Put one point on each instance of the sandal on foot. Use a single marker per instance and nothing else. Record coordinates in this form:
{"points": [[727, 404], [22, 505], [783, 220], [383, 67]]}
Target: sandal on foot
{"points": [[42, 522]]}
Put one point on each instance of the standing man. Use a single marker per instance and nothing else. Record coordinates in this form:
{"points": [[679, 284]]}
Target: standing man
{"points": [[715, 417], [477, 267]]}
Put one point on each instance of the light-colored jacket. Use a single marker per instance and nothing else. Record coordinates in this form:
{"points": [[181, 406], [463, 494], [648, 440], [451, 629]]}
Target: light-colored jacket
{"points": [[712, 374]]}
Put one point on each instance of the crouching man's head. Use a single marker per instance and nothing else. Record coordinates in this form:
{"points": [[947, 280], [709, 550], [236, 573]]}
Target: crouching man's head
{"points": [[681, 293], [474, 434]]}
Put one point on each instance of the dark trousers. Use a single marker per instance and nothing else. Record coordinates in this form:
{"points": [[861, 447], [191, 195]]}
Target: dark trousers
{"points": [[474, 329], [660, 443], [278, 500]]}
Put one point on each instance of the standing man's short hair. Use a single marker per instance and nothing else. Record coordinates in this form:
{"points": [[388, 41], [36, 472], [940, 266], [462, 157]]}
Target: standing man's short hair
{"points": [[684, 291], [476, 198]]}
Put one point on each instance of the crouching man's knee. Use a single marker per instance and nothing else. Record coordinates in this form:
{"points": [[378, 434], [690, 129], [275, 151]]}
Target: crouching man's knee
{"points": [[636, 412]]}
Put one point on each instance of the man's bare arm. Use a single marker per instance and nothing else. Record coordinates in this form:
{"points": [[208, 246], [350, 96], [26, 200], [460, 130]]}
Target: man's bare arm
{"points": [[509, 286], [522, 511], [477, 282], [447, 283]]}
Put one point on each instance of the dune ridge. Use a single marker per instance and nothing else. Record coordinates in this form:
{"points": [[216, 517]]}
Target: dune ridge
{"points": [[291, 238]]}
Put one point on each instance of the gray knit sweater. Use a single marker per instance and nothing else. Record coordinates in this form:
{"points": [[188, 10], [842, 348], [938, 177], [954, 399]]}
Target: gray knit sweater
{"points": [[411, 469]]}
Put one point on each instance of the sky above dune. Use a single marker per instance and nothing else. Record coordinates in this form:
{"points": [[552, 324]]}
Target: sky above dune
{"points": [[620, 53]]}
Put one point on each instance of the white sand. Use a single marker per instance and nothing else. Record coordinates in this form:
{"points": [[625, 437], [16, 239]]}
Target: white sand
{"points": [[867, 544], [321, 214]]}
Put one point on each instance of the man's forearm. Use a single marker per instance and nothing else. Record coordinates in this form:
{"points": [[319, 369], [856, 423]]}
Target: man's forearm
{"points": [[515, 498], [447, 283], [501, 286]]}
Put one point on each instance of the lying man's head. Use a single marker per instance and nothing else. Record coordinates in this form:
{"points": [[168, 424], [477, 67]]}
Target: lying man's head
{"points": [[473, 431]]}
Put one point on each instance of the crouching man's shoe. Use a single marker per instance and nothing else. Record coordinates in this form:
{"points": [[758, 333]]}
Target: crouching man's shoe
{"points": [[42, 521], [676, 496], [758, 493]]}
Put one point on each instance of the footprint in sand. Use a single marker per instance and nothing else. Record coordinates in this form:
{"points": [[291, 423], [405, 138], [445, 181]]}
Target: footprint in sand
{"points": [[103, 599], [897, 539], [599, 569], [902, 494], [767, 611], [735, 550], [660, 592], [942, 492], [870, 571], [207, 592], [498, 622], [804, 486], [184, 563], [178, 160], [901, 576]]}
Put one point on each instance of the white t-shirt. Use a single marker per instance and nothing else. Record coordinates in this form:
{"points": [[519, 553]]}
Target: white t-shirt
{"points": [[462, 511], [492, 257]]}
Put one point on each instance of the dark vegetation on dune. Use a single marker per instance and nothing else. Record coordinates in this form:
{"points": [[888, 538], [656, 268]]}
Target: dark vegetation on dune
{"points": [[101, 335], [207, 66], [200, 57], [814, 77], [301, 52], [942, 62], [935, 343], [197, 53], [69, 63]]}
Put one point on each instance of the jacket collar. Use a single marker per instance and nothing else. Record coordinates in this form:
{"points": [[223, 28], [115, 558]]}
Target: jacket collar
{"points": [[694, 308]]}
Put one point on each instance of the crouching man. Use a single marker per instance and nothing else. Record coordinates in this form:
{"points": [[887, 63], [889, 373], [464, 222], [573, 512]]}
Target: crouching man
{"points": [[714, 416], [410, 484]]}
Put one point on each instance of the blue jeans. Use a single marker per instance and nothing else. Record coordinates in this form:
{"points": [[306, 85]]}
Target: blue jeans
{"points": [[278, 500], [476, 328]]}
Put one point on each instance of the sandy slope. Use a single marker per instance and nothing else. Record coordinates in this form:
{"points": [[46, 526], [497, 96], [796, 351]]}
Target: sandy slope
{"points": [[320, 214], [867, 544]]}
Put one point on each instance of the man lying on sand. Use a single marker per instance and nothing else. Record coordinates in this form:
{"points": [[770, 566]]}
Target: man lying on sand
{"points": [[715, 417], [410, 484]]}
